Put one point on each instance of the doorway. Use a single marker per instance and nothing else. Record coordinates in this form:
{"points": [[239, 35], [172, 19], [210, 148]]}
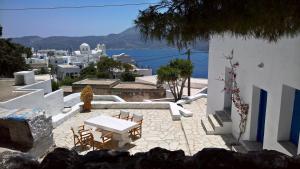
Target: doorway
{"points": [[228, 93], [261, 116], [295, 127]]}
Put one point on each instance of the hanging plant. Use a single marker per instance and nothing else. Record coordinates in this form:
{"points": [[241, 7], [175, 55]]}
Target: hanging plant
{"points": [[241, 106]]}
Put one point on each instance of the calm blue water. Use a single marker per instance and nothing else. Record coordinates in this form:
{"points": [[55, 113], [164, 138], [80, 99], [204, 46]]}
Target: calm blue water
{"points": [[154, 58]]}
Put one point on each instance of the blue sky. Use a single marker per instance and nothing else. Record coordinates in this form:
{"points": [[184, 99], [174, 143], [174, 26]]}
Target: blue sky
{"points": [[67, 22]]}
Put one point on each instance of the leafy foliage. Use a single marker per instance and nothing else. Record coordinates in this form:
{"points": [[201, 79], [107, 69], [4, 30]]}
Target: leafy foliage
{"points": [[175, 75], [68, 81], [127, 67], [108, 65], [11, 59], [54, 85], [90, 70], [128, 77], [43, 70], [182, 22], [102, 75], [86, 96]]}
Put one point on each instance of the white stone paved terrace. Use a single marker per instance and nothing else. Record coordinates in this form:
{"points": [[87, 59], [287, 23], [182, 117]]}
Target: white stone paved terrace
{"points": [[158, 130]]}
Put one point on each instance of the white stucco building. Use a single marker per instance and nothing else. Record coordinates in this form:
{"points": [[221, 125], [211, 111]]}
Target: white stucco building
{"points": [[269, 81], [67, 71], [87, 55]]}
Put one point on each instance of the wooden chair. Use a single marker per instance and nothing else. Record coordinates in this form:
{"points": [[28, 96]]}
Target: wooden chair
{"points": [[100, 139], [124, 114], [81, 137], [136, 132]]}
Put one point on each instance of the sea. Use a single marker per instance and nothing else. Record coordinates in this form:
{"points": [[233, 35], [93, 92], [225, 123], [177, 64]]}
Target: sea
{"points": [[154, 58]]}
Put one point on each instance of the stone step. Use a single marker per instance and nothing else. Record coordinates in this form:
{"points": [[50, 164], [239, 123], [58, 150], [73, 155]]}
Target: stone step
{"points": [[222, 117], [238, 148], [214, 122], [252, 145], [207, 126]]}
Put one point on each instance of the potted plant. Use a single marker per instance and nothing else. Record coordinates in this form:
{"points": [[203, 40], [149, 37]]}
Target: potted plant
{"points": [[86, 97]]}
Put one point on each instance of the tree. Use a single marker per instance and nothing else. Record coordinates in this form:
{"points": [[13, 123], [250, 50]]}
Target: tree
{"points": [[43, 70], [175, 75], [89, 71], [54, 85], [11, 57], [181, 22], [86, 97], [128, 76], [108, 65], [127, 67]]}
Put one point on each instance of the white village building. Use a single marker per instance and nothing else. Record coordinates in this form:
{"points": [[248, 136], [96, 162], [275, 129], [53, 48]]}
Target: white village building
{"points": [[269, 80], [85, 55], [67, 71]]}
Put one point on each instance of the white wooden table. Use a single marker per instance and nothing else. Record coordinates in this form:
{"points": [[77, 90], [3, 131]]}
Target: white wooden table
{"points": [[119, 127]]}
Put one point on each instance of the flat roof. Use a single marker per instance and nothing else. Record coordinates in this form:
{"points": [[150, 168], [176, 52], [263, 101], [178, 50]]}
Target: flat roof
{"points": [[97, 81], [7, 87], [66, 88], [68, 66], [134, 85]]}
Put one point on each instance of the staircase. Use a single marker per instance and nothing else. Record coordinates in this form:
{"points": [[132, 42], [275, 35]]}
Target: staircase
{"points": [[218, 123]]}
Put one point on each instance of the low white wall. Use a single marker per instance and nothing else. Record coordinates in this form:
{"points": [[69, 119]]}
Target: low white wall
{"points": [[131, 105], [54, 102], [34, 99], [45, 85], [175, 114], [72, 100], [108, 98]]}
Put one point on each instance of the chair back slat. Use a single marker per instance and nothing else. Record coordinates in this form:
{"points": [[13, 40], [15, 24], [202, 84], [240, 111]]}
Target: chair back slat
{"points": [[124, 114], [137, 117]]}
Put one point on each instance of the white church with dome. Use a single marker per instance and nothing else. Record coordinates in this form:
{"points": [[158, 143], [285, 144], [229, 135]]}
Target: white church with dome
{"points": [[85, 55]]}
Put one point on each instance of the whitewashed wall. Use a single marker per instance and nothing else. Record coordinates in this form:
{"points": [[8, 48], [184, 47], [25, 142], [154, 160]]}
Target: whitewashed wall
{"points": [[34, 99], [72, 100], [45, 85], [54, 102], [281, 67]]}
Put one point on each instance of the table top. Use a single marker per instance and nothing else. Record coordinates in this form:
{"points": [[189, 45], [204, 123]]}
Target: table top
{"points": [[111, 124]]}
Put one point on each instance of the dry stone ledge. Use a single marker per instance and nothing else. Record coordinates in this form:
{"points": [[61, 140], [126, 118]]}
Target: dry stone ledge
{"points": [[209, 158], [27, 130]]}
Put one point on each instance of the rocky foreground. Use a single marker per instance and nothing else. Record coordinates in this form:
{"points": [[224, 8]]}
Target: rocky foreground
{"points": [[156, 158]]}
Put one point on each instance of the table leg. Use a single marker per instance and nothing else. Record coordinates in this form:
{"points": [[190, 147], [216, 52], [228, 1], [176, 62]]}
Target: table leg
{"points": [[122, 138]]}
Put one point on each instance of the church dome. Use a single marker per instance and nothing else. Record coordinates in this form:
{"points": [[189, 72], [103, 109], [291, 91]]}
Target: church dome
{"points": [[84, 48]]}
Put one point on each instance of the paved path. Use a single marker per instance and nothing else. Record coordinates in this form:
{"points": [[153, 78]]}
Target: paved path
{"points": [[196, 136]]}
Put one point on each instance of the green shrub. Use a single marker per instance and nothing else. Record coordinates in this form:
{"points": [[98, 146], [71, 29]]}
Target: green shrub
{"points": [[128, 77], [68, 81], [44, 70], [54, 85], [102, 75]]}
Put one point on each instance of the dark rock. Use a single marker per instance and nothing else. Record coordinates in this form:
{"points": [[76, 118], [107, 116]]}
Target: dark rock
{"points": [[61, 158], [105, 159], [161, 158], [17, 160], [157, 158]]}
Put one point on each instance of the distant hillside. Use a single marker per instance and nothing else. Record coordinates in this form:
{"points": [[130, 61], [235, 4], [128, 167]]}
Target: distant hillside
{"points": [[128, 39]]}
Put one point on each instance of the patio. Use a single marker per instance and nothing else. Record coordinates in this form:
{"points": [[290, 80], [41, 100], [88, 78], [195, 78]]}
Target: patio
{"points": [[158, 130]]}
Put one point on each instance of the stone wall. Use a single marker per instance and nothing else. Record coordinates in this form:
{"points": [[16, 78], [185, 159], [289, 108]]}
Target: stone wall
{"points": [[135, 95], [155, 158], [128, 94], [27, 130]]}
